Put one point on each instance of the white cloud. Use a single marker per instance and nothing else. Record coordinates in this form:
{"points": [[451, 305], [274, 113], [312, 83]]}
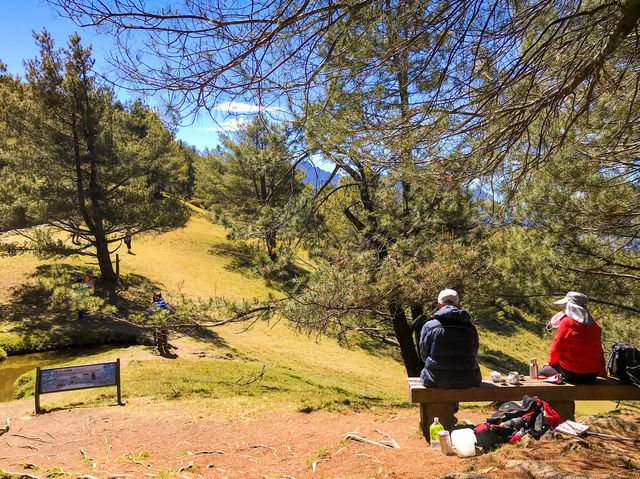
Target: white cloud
{"points": [[237, 107], [231, 125]]}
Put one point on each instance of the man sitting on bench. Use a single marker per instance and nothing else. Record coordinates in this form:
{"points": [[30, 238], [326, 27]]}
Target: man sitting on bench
{"points": [[448, 346]]}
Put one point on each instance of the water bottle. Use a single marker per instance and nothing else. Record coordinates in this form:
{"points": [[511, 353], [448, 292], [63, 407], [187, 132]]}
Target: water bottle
{"points": [[434, 429], [533, 369]]}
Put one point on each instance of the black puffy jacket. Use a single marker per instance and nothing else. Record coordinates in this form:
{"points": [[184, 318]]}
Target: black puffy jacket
{"points": [[448, 346]]}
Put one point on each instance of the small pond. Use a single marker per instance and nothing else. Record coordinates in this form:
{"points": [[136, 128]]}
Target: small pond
{"points": [[14, 366]]}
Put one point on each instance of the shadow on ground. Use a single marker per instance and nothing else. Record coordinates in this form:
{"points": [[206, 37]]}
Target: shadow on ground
{"points": [[30, 321], [241, 260], [500, 361]]}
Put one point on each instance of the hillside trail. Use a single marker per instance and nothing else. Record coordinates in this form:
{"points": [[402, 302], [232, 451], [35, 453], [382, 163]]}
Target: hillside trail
{"points": [[145, 439], [142, 439]]}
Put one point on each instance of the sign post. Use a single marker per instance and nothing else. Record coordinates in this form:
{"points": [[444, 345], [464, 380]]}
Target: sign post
{"points": [[71, 378]]}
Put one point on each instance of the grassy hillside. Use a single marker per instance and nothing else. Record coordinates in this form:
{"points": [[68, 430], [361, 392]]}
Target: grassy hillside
{"points": [[295, 371], [300, 372]]}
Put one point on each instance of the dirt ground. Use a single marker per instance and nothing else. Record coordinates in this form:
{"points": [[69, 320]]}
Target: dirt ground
{"points": [[141, 440]]}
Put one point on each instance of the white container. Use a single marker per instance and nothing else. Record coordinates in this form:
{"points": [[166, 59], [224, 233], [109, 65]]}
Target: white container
{"points": [[464, 442]]}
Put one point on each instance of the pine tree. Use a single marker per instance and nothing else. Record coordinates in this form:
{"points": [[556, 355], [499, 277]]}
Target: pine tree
{"points": [[80, 162]]}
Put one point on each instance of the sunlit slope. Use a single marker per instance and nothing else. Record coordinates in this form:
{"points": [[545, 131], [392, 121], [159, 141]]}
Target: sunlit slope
{"points": [[199, 261], [195, 260]]}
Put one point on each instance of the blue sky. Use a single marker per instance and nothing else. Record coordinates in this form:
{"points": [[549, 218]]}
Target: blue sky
{"points": [[21, 17]]}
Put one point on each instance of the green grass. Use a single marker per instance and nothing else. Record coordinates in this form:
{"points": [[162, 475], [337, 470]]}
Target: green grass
{"points": [[301, 372], [215, 370]]}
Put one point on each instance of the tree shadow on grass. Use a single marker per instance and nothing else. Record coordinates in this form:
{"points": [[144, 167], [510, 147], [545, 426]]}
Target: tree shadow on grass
{"points": [[286, 279], [490, 322], [500, 361], [34, 323], [506, 320], [238, 254]]}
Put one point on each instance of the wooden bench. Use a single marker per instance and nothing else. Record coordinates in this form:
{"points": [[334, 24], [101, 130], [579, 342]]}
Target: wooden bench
{"points": [[440, 403]]}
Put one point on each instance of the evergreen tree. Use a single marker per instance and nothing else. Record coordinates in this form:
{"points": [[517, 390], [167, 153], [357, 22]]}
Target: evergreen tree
{"points": [[254, 184], [402, 226], [80, 162]]}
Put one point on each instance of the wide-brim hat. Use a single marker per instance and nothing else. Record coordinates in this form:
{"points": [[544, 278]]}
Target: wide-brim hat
{"points": [[573, 297]]}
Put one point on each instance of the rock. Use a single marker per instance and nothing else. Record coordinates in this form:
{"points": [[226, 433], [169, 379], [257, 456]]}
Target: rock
{"points": [[527, 441], [541, 470], [576, 445], [610, 424]]}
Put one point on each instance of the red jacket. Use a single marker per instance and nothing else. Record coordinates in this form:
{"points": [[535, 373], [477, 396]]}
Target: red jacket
{"points": [[578, 348]]}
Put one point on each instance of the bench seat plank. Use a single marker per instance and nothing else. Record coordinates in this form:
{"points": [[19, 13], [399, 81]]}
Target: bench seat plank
{"points": [[440, 403], [603, 389]]}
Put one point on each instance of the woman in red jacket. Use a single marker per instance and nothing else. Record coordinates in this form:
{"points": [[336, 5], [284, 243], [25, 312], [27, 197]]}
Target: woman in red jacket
{"points": [[576, 351]]}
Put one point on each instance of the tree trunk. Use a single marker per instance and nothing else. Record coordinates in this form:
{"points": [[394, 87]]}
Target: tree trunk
{"points": [[109, 277], [418, 319], [407, 346]]}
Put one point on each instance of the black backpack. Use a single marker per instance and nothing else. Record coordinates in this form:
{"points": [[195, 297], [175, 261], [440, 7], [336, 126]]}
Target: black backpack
{"points": [[624, 363]]}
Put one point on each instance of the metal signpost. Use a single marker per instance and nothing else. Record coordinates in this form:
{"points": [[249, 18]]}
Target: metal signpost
{"points": [[77, 377]]}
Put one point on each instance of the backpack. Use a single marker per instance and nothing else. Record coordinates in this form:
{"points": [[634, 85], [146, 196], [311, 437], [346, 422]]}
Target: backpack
{"points": [[624, 363], [513, 420]]}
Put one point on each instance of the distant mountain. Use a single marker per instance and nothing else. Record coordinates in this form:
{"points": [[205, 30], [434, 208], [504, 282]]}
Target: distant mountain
{"points": [[316, 176]]}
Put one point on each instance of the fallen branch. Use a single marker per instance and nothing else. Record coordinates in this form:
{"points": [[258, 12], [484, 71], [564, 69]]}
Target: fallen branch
{"points": [[355, 437], [260, 445], [250, 380], [186, 468], [207, 452], [30, 447], [30, 437], [20, 475], [390, 440], [86, 456]]}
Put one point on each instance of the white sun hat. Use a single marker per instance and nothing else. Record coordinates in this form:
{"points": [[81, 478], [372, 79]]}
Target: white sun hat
{"points": [[573, 297]]}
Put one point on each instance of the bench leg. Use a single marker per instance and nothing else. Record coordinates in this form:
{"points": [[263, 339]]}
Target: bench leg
{"points": [[443, 411], [566, 409]]}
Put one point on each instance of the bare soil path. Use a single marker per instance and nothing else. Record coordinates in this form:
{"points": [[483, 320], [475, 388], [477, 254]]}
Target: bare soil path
{"points": [[156, 440], [162, 440]]}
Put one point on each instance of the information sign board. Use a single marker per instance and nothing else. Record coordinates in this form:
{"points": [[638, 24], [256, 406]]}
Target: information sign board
{"points": [[77, 377]]}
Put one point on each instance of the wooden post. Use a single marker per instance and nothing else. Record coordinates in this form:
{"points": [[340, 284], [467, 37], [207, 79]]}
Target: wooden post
{"points": [[443, 411], [37, 391], [117, 265], [118, 390], [566, 409]]}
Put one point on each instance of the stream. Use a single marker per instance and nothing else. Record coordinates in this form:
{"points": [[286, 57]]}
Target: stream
{"points": [[14, 366]]}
